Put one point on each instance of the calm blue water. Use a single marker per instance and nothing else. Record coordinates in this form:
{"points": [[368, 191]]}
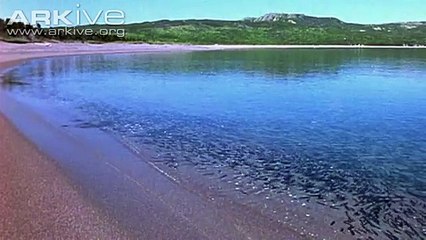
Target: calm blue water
{"points": [[340, 128]]}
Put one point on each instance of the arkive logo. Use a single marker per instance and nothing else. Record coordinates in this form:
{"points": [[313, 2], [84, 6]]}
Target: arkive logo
{"points": [[69, 17]]}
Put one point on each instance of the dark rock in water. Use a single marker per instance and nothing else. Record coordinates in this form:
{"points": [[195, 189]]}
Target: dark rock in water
{"points": [[14, 82]]}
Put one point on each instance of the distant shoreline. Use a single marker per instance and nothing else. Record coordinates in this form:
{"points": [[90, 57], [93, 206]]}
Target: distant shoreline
{"points": [[314, 47], [15, 52]]}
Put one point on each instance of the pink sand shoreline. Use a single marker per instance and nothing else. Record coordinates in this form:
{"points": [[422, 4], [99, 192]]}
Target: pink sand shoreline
{"points": [[10, 53]]}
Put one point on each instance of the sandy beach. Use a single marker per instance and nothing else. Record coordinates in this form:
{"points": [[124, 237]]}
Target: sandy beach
{"points": [[54, 187], [10, 53], [37, 201]]}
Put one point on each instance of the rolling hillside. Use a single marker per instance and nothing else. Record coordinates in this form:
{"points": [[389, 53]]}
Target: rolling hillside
{"points": [[278, 29], [271, 29]]}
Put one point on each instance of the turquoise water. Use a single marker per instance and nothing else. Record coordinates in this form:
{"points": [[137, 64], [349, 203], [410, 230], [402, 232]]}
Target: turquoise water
{"points": [[344, 129]]}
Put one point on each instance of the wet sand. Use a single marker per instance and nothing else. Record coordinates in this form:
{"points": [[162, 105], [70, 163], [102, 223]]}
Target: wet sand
{"points": [[37, 201], [60, 183]]}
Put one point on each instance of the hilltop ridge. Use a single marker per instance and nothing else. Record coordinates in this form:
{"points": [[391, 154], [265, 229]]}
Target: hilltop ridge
{"points": [[295, 18]]}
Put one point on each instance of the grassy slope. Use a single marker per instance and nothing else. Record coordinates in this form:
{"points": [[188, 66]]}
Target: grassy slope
{"points": [[287, 30], [250, 32]]}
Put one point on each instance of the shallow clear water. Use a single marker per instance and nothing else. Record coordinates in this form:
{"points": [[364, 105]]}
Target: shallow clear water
{"points": [[344, 129]]}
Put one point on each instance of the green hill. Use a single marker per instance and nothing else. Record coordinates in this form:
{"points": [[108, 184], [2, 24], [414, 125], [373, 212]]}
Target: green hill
{"points": [[277, 29], [271, 29]]}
